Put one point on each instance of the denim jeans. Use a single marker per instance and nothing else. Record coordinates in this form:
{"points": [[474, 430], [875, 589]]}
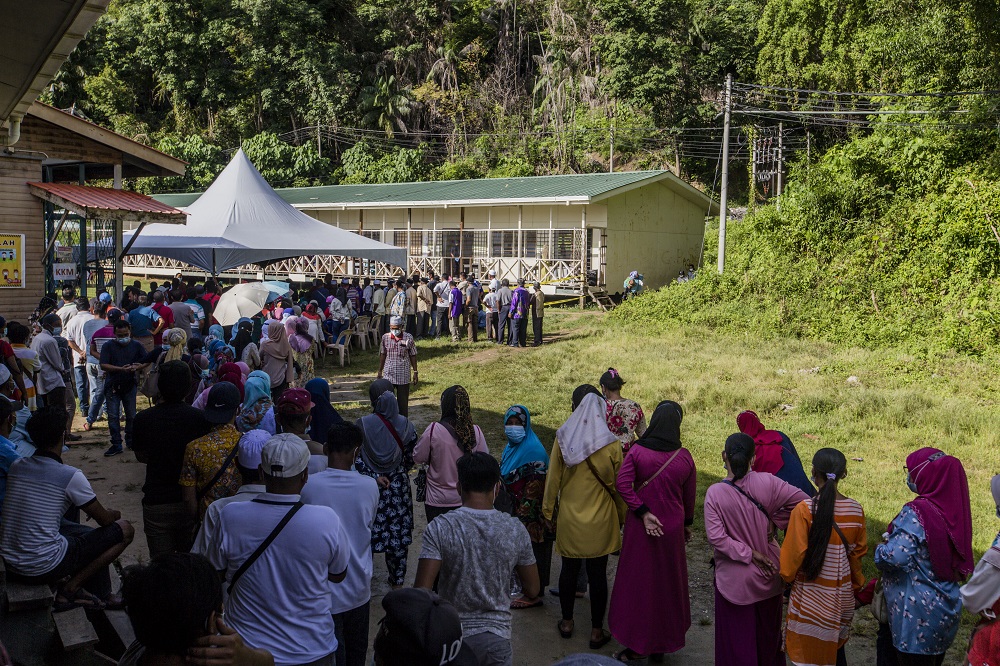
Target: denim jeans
{"points": [[351, 628], [118, 402], [82, 388], [490, 649], [95, 378]]}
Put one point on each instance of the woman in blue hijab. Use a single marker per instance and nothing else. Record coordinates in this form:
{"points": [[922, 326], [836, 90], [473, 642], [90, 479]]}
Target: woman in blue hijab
{"points": [[523, 468], [323, 413]]}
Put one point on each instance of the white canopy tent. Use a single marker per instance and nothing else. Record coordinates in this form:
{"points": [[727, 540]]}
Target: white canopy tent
{"points": [[241, 220]]}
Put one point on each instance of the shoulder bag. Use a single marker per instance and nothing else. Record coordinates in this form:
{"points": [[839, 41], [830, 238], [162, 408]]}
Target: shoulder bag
{"points": [[772, 529], [657, 473], [620, 507], [218, 475], [263, 546], [151, 384]]}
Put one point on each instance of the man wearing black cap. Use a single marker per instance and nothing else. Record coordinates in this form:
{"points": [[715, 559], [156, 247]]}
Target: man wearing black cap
{"points": [[209, 470], [537, 312], [420, 629]]}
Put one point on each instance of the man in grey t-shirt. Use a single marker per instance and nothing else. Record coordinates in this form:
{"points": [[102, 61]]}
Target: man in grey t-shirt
{"points": [[475, 549]]}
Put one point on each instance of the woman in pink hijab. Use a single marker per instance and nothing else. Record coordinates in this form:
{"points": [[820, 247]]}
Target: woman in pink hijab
{"points": [[775, 453], [301, 342]]}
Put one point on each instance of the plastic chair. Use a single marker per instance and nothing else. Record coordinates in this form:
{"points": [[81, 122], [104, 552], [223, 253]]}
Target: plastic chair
{"points": [[343, 345], [373, 330], [361, 330]]}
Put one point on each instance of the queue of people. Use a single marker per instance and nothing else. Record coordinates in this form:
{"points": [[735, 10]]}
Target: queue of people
{"points": [[253, 473]]}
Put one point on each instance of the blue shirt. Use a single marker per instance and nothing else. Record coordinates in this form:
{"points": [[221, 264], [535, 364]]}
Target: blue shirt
{"points": [[143, 321], [924, 611], [8, 454]]}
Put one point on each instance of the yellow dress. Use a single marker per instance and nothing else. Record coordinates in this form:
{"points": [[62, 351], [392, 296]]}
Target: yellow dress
{"points": [[588, 523]]}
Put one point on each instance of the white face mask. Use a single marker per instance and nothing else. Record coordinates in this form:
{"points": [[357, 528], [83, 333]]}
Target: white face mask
{"points": [[397, 332]]}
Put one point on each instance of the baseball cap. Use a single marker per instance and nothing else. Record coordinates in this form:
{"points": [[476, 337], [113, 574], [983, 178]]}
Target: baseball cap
{"points": [[295, 401], [422, 629], [105, 297], [284, 456], [223, 400], [251, 444]]}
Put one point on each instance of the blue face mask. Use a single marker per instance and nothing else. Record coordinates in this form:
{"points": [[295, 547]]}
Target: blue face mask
{"points": [[515, 434], [910, 484], [124, 341]]}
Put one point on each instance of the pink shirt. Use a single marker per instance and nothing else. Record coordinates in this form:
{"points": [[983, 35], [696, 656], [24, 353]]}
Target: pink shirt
{"points": [[441, 452], [736, 528]]}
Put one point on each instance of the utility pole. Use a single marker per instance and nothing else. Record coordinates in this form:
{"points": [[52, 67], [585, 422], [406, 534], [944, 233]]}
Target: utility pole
{"points": [[781, 162], [611, 162], [723, 193]]}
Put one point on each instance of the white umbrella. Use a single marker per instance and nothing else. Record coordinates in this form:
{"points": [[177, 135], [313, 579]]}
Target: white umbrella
{"points": [[243, 300]]}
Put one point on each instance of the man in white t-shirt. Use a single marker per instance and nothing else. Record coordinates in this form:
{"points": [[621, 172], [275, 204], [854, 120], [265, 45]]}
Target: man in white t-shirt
{"points": [[279, 601], [354, 497], [474, 549]]}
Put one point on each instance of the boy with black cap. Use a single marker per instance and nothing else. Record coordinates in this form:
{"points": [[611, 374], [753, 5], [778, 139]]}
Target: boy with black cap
{"points": [[209, 471], [420, 629], [278, 556]]}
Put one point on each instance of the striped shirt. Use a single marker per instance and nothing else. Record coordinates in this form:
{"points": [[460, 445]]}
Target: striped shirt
{"points": [[40, 489]]}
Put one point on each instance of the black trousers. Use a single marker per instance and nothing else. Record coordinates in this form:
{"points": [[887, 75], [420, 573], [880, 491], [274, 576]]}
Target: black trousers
{"points": [[597, 575], [403, 398], [536, 325], [411, 324], [351, 628], [502, 324], [442, 321], [522, 332], [422, 318]]}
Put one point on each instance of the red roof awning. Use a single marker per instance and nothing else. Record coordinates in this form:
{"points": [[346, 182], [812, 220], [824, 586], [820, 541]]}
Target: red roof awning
{"points": [[102, 202]]}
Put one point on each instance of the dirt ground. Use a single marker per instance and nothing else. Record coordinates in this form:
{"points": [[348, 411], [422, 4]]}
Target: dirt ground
{"points": [[118, 483]]}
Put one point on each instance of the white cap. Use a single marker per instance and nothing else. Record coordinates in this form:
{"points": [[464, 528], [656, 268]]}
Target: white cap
{"points": [[284, 456], [251, 444], [377, 282]]}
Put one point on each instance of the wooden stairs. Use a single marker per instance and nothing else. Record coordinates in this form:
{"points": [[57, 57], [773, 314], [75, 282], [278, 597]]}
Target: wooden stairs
{"points": [[600, 296]]}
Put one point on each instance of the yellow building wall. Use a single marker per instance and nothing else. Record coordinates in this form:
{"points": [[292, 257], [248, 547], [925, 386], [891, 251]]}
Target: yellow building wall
{"points": [[652, 230], [22, 213]]}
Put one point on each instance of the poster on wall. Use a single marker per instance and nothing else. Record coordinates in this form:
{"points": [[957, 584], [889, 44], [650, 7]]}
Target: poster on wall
{"points": [[11, 261]]}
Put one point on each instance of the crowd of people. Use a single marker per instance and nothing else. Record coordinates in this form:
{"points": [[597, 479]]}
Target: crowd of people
{"points": [[263, 510]]}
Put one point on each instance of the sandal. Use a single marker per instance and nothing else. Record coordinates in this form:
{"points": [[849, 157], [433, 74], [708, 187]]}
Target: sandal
{"points": [[627, 656], [79, 599], [524, 604], [605, 639], [563, 632]]}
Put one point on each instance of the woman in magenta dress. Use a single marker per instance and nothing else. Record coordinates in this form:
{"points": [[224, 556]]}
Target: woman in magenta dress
{"points": [[650, 607]]}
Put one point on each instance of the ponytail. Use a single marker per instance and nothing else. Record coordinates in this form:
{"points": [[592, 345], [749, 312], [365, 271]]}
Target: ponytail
{"points": [[831, 464], [739, 452]]}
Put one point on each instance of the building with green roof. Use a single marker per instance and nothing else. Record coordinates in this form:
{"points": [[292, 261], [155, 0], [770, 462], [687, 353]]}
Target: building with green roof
{"points": [[548, 228]]}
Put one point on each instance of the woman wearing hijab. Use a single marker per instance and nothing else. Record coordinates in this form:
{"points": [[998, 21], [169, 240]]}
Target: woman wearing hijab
{"points": [[926, 553], [258, 408], [175, 341], [301, 343], [386, 456], [230, 372], [658, 481], [981, 595], [523, 468], [624, 416], [277, 359], [323, 413], [440, 447], [581, 477], [215, 332], [775, 453], [742, 514], [243, 344], [821, 557]]}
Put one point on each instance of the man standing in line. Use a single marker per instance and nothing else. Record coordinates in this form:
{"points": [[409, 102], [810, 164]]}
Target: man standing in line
{"points": [[184, 316], [472, 309], [354, 497], [519, 316], [397, 356], [494, 282], [490, 305], [121, 359], [78, 343], [474, 549], [146, 324], [425, 306], [67, 310], [504, 297], [537, 312], [207, 471], [455, 310], [366, 297], [378, 303], [95, 376], [397, 306], [278, 557], [441, 311], [165, 313], [49, 383], [411, 307]]}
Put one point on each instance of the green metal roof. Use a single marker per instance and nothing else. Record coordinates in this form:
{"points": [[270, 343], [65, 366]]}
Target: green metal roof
{"points": [[575, 188]]}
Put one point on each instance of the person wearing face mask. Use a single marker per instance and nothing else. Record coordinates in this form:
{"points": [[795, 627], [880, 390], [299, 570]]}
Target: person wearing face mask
{"points": [[8, 450], [397, 356], [742, 514], [924, 556], [981, 595], [121, 359], [474, 549], [523, 468], [50, 386]]}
